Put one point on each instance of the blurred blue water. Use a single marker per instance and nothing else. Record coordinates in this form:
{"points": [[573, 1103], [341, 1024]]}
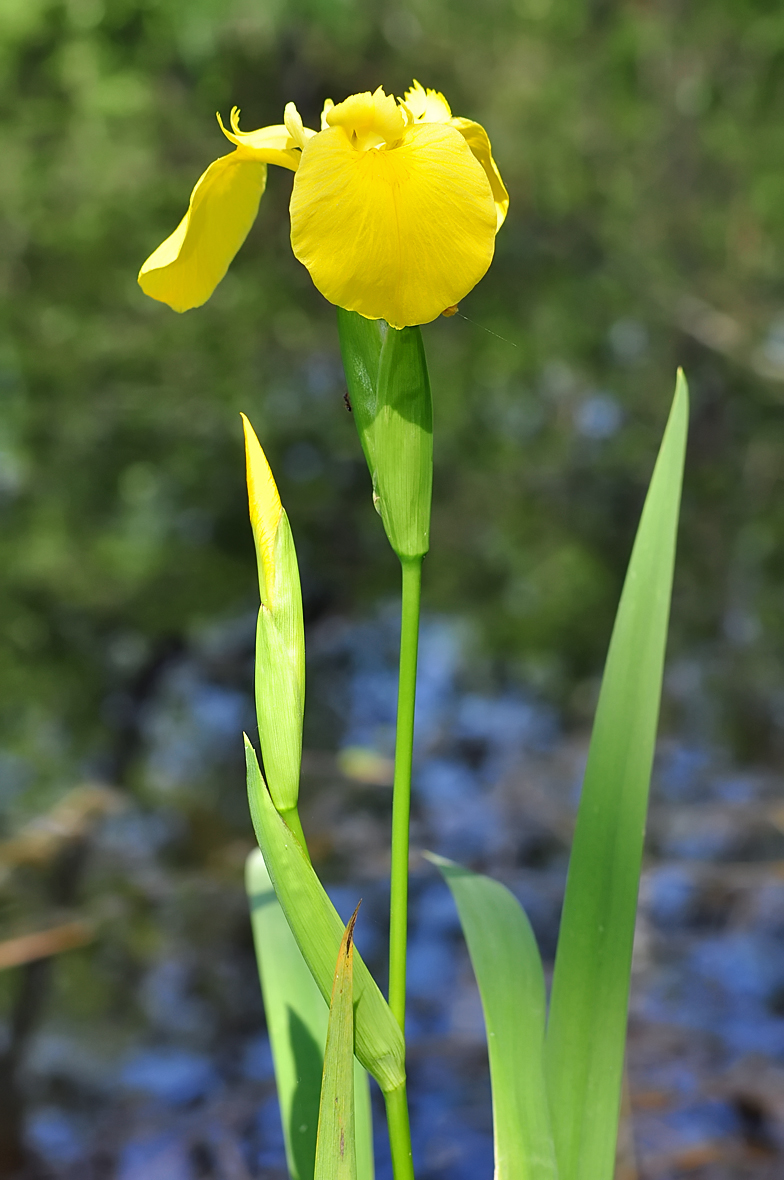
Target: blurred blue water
{"points": [[495, 786], [162, 1156], [174, 1076], [55, 1136]]}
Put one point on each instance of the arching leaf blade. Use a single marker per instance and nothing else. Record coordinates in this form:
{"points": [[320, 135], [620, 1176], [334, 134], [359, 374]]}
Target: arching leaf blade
{"points": [[508, 969]]}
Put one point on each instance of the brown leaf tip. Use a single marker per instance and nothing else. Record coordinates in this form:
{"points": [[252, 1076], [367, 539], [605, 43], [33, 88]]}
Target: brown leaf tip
{"points": [[350, 927]]}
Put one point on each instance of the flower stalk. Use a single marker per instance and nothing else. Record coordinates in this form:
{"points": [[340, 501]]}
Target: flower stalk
{"points": [[401, 795], [389, 388], [396, 1102]]}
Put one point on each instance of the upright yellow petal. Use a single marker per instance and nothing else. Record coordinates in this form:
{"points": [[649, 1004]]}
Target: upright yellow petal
{"points": [[299, 133], [368, 120], [265, 509], [186, 268], [399, 233], [479, 142], [427, 106], [270, 145]]}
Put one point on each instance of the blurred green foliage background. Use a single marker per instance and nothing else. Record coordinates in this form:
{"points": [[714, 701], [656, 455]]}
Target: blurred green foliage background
{"points": [[643, 147]]}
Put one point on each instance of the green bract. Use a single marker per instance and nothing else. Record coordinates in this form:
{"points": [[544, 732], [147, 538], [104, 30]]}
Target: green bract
{"points": [[389, 389]]}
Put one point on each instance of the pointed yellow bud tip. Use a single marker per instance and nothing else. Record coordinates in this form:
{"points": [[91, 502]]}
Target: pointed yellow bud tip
{"points": [[265, 508]]}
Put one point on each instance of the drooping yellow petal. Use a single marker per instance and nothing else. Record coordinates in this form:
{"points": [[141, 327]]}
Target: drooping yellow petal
{"points": [[186, 268], [396, 234], [427, 106], [264, 506], [479, 142]]}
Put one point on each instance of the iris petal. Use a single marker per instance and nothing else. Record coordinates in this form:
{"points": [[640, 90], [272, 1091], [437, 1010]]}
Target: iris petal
{"points": [[427, 106], [479, 142], [186, 268], [394, 209], [369, 120], [270, 145], [396, 234]]}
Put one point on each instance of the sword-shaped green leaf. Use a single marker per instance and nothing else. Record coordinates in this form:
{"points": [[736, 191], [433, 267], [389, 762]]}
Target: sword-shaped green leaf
{"points": [[508, 969], [318, 930], [586, 1030], [336, 1157], [297, 1025]]}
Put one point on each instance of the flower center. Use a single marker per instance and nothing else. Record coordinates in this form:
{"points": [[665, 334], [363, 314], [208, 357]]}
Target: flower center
{"points": [[369, 120]]}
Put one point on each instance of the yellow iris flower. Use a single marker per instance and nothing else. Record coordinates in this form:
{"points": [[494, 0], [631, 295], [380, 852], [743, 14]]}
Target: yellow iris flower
{"points": [[394, 209]]}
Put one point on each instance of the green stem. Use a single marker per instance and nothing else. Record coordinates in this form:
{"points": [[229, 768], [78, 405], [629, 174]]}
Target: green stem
{"points": [[401, 796], [399, 1134]]}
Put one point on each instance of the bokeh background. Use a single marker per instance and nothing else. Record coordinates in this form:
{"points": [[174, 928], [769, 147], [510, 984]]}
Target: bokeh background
{"points": [[643, 147]]}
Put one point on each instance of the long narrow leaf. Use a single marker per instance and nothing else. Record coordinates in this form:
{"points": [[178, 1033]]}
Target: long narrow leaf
{"points": [[318, 931], [297, 1024], [587, 1024], [296, 1020], [363, 1124], [508, 969], [336, 1157]]}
